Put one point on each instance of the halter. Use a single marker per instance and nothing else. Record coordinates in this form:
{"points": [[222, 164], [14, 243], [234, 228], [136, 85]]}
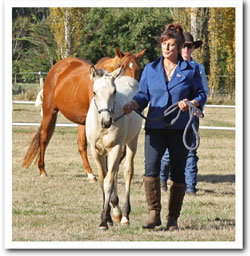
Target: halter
{"points": [[109, 110]]}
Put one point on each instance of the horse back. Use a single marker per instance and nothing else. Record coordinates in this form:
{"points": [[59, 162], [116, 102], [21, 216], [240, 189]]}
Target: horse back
{"points": [[69, 89], [127, 86]]}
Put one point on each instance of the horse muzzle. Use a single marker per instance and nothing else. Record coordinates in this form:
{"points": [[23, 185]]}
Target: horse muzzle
{"points": [[106, 123]]}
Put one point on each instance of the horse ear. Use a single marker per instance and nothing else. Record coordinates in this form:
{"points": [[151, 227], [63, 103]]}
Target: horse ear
{"points": [[117, 72], [92, 72], [119, 53], [95, 73], [140, 54]]}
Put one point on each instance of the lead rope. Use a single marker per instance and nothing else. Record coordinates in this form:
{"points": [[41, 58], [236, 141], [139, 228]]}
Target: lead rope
{"points": [[193, 111]]}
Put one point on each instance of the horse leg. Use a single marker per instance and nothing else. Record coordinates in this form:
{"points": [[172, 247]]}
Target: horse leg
{"points": [[128, 175], [113, 164], [82, 148], [115, 202], [123, 153], [101, 164], [47, 130]]}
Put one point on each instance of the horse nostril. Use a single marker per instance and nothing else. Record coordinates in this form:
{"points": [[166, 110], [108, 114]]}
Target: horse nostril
{"points": [[106, 124], [103, 123]]}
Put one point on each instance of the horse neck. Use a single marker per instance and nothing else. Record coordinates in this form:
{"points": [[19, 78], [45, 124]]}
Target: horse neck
{"points": [[127, 86], [110, 64]]}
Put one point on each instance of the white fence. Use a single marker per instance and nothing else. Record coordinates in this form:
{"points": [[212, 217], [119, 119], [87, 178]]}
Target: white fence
{"points": [[75, 125]]}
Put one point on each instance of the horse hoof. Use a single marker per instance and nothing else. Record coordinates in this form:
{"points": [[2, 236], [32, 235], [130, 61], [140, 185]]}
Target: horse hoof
{"points": [[103, 228], [92, 178], [43, 175], [110, 223], [125, 221], [117, 219]]}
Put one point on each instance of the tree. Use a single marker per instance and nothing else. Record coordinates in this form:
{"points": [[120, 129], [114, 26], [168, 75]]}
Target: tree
{"points": [[42, 36], [66, 24], [129, 29], [222, 49], [19, 30], [216, 28], [228, 27], [181, 16], [42, 45], [33, 44]]}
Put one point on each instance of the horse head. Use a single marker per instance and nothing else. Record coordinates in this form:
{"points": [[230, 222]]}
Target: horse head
{"points": [[104, 93], [130, 63]]}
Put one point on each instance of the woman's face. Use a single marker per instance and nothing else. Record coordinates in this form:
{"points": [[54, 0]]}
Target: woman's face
{"points": [[169, 49]]}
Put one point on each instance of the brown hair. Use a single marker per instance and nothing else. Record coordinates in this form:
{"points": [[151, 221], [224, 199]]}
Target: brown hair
{"points": [[173, 31]]}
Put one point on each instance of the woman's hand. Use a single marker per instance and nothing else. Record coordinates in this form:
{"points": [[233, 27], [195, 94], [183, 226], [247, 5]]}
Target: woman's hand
{"points": [[184, 107], [129, 106]]}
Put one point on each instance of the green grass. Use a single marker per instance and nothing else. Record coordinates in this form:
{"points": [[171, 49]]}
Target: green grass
{"points": [[65, 207]]}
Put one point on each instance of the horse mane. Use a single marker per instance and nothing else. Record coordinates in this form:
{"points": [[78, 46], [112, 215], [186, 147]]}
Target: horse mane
{"points": [[108, 64]]}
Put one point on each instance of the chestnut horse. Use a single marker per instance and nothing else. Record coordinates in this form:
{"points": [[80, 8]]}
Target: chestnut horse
{"points": [[127, 60], [68, 89]]}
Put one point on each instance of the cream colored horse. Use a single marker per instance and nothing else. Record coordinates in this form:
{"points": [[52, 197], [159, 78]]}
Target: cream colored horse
{"points": [[107, 136]]}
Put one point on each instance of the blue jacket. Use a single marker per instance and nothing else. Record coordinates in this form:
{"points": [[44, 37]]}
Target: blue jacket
{"points": [[185, 83], [203, 75]]}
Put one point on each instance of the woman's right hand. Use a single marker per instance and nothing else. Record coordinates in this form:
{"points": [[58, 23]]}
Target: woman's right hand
{"points": [[129, 106]]}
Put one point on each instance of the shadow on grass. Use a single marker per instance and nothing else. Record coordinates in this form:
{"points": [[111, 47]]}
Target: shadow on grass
{"points": [[216, 178]]}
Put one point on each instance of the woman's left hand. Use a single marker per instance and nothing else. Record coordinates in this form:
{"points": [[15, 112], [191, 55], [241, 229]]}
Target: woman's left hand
{"points": [[184, 107]]}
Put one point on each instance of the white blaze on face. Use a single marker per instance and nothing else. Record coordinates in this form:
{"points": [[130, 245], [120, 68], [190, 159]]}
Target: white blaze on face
{"points": [[131, 65]]}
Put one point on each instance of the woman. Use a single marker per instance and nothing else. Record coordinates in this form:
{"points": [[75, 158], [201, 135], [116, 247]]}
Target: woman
{"points": [[166, 81]]}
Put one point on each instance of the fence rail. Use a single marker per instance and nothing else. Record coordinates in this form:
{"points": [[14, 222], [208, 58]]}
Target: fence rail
{"points": [[209, 106], [75, 125]]}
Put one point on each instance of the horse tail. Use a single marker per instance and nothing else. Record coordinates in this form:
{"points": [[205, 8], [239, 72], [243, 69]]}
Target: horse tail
{"points": [[33, 150], [39, 98]]}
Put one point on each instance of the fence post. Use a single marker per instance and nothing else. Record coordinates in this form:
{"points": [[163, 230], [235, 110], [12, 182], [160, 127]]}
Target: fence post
{"points": [[41, 79]]}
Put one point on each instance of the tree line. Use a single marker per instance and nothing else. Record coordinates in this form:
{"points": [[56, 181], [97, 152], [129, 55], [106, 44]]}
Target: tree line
{"points": [[43, 36]]}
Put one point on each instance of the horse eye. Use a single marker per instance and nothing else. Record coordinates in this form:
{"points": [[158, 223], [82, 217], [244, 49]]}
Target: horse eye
{"points": [[94, 93]]}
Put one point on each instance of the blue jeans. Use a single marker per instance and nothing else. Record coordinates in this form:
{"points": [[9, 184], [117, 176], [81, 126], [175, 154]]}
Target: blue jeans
{"points": [[191, 169]]}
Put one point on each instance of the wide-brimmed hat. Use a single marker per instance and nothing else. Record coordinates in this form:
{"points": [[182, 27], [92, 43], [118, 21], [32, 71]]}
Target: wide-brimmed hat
{"points": [[190, 40]]}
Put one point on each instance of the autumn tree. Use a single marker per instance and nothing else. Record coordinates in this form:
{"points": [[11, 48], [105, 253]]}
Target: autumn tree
{"points": [[228, 27], [181, 16], [216, 28], [194, 20], [66, 24], [42, 36], [215, 41]]}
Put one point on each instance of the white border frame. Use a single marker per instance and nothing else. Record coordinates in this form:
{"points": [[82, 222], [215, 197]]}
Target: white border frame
{"points": [[9, 244]]}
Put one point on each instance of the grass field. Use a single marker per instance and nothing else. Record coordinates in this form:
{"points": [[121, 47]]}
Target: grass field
{"points": [[65, 207]]}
